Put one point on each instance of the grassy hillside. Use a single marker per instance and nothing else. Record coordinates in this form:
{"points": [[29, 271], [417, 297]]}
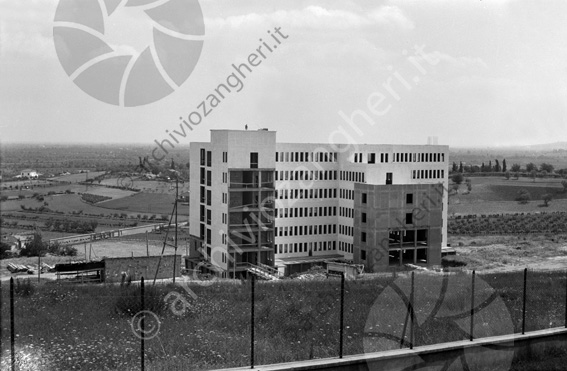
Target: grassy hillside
{"points": [[90, 326]]}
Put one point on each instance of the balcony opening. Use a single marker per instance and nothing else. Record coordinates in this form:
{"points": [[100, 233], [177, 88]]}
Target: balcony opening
{"points": [[422, 237], [421, 256]]}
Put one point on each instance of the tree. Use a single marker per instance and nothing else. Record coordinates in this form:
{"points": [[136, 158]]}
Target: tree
{"points": [[504, 165], [457, 178], [530, 167], [496, 166], [533, 174], [523, 196], [35, 247], [455, 188], [564, 184], [517, 175], [482, 168], [507, 175], [515, 168], [546, 167], [489, 166], [48, 223], [469, 185], [461, 167], [4, 249], [454, 167], [546, 199]]}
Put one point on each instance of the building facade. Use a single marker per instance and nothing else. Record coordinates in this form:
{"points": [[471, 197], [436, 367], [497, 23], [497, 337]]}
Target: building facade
{"points": [[258, 203]]}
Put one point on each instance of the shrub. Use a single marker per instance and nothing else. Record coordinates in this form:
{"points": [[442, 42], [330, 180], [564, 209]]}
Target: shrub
{"points": [[24, 288], [68, 251], [523, 196], [457, 178], [128, 303], [546, 199], [4, 250]]}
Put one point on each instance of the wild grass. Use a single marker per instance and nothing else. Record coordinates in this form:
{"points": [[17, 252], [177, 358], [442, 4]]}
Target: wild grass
{"points": [[65, 327]]}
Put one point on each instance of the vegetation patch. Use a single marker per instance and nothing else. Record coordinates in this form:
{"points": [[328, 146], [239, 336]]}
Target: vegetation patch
{"points": [[93, 199]]}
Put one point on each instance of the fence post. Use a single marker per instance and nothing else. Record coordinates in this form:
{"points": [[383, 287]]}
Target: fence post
{"points": [[524, 301], [472, 306], [411, 310], [565, 299], [142, 329], [341, 330], [0, 320], [12, 330], [252, 323]]}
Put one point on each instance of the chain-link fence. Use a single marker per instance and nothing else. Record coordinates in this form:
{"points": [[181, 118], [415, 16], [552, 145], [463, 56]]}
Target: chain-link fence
{"points": [[199, 325]]}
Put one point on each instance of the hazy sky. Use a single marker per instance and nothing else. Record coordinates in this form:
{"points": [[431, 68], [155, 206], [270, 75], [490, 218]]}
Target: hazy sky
{"points": [[490, 72]]}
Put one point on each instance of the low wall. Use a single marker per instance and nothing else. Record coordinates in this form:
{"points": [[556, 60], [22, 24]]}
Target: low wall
{"points": [[493, 353], [138, 267]]}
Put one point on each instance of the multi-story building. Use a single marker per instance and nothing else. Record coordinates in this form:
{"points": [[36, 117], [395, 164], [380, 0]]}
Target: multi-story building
{"points": [[258, 203]]}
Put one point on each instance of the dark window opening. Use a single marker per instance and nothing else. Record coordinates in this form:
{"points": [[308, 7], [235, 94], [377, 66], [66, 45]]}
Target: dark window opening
{"points": [[389, 178], [253, 160], [409, 218], [363, 237], [363, 217], [362, 254], [202, 157], [364, 198], [209, 158], [409, 198]]}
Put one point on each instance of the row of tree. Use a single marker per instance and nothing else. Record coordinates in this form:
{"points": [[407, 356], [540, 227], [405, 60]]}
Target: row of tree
{"points": [[497, 167], [71, 226]]}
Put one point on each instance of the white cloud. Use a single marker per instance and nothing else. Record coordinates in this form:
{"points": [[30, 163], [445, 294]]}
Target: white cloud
{"points": [[317, 17]]}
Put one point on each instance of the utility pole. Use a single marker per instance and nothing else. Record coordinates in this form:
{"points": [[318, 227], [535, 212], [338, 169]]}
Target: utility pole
{"points": [[175, 207]]}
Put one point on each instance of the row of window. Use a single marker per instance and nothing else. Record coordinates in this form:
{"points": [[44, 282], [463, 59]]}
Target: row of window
{"points": [[306, 175], [346, 247], [346, 194], [370, 158], [305, 230], [352, 176], [298, 194], [305, 212], [306, 156], [419, 157], [205, 196], [428, 174], [301, 247], [205, 177], [346, 230], [348, 212], [206, 156]]}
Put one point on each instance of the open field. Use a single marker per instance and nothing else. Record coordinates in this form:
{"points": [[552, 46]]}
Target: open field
{"points": [[145, 202], [511, 253], [497, 195], [90, 326], [76, 178]]}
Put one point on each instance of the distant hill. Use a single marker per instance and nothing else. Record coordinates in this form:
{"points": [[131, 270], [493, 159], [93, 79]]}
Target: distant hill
{"points": [[540, 147], [533, 147]]}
